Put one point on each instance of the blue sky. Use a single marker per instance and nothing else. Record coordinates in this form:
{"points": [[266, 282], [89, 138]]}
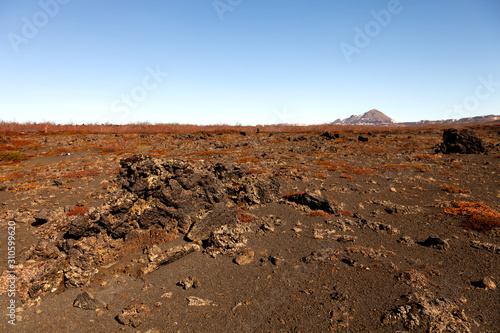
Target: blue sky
{"points": [[247, 61]]}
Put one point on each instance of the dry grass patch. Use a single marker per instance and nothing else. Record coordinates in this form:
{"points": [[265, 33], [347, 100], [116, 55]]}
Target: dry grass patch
{"points": [[454, 189], [78, 211], [479, 216], [12, 156], [247, 159]]}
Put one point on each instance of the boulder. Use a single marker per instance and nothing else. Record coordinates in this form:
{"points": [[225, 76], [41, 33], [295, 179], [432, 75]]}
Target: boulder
{"points": [[461, 142]]}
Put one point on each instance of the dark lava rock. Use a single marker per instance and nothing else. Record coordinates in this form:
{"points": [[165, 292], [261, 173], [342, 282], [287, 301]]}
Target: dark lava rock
{"points": [[87, 301], [134, 314], [51, 277], [330, 135], [461, 142], [436, 243], [313, 201], [362, 138], [321, 255], [221, 215], [41, 217], [158, 198]]}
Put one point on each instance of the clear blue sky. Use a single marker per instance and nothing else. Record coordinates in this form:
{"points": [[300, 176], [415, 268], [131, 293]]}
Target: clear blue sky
{"points": [[247, 61]]}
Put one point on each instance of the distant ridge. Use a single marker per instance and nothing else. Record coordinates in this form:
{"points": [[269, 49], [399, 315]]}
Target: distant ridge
{"points": [[372, 117], [469, 120], [375, 117]]}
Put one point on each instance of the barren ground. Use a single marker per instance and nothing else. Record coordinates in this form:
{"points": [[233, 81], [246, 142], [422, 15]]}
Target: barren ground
{"points": [[368, 265]]}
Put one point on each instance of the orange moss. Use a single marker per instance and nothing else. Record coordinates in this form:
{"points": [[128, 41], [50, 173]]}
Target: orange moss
{"points": [[78, 210], [245, 218], [289, 194], [329, 165], [320, 175], [345, 213], [319, 213], [247, 159], [480, 223], [425, 156], [479, 216], [26, 188]]}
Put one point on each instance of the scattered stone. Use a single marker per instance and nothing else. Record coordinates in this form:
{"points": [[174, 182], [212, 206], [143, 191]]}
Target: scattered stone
{"points": [[436, 243], [227, 239], [362, 138], [323, 233], [414, 278], [197, 301], [276, 261], [460, 142], [167, 295], [425, 312], [406, 240], [393, 208], [486, 283], [345, 238], [169, 256], [267, 227], [189, 282], [245, 257], [379, 227], [134, 314], [326, 254], [87, 301], [339, 294], [486, 246]]}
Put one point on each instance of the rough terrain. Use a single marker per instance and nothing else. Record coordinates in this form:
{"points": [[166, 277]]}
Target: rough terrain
{"points": [[376, 230]]}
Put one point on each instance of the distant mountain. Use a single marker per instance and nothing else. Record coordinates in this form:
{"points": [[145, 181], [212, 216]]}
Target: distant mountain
{"points": [[372, 117], [375, 117], [469, 120]]}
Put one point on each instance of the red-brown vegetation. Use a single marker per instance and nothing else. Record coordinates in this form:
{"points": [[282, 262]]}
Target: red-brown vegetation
{"points": [[78, 210], [454, 189]]}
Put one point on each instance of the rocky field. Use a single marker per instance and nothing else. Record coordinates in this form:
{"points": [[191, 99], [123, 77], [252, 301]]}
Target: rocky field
{"points": [[374, 230]]}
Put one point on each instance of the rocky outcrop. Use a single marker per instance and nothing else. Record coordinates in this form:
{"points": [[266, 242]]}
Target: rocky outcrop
{"points": [[157, 199], [461, 142]]}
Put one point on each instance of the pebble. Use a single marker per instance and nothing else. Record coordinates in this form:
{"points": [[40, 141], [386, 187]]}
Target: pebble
{"points": [[489, 284]]}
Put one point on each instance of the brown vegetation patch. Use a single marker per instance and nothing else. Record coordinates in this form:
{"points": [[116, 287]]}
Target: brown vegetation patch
{"points": [[479, 216], [247, 159], [454, 189], [78, 210]]}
